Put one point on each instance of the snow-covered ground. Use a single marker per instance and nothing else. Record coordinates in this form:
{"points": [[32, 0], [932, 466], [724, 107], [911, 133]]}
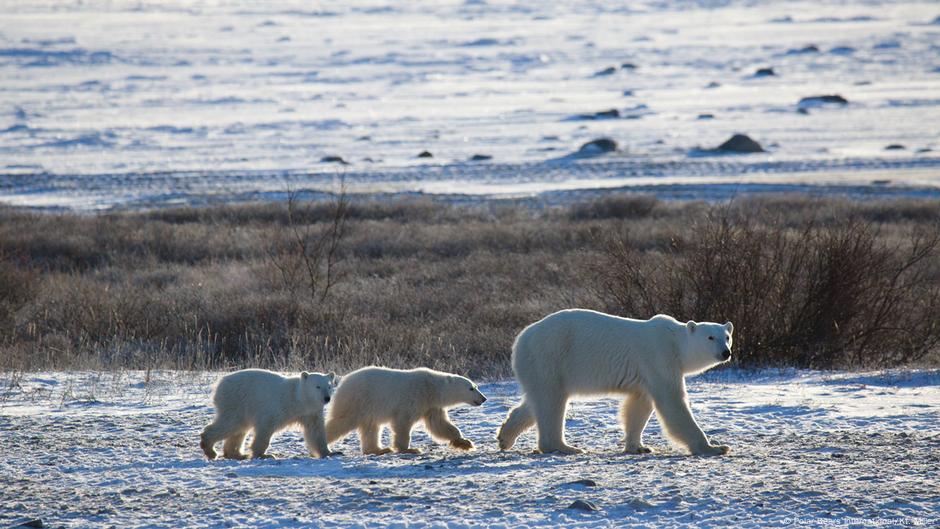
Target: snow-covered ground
{"points": [[809, 449], [129, 104]]}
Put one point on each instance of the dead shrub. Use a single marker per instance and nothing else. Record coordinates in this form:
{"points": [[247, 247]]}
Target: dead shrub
{"points": [[828, 295]]}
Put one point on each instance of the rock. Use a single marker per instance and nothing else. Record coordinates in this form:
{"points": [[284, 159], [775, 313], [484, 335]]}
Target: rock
{"points": [[812, 48], [842, 50], [610, 70], [706, 116], [833, 99], [425, 154], [584, 482], [231, 475], [740, 143], [598, 146], [582, 505], [628, 66], [713, 84], [628, 93], [603, 114], [35, 522], [764, 72], [923, 150], [895, 147], [334, 159], [639, 504], [480, 157]]}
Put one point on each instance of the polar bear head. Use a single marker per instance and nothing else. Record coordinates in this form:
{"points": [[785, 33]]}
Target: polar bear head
{"points": [[315, 389], [461, 390], [708, 344]]}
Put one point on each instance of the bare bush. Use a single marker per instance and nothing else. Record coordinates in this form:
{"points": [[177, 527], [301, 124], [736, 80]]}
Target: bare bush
{"points": [[832, 294]]}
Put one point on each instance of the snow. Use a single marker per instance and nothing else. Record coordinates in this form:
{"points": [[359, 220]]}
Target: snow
{"points": [[809, 448], [137, 104]]}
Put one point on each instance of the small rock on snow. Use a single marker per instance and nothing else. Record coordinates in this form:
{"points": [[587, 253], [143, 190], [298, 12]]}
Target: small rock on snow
{"points": [[36, 522], [583, 505], [480, 157], [740, 143], [584, 482], [764, 72], [598, 146], [606, 71], [835, 99], [425, 154]]}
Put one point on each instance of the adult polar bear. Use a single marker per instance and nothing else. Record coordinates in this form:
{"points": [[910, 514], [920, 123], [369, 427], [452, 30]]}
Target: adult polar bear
{"points": [[582, 352]]}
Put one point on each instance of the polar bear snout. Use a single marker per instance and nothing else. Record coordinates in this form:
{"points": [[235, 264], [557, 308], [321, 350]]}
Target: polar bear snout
{"points": [[726, 354], [480, 401], [326, 399]]}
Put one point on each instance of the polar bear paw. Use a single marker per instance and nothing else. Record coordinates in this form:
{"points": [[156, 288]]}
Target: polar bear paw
{"points": [[639, 449], [713, 450], [561, 450], [462, 444]]}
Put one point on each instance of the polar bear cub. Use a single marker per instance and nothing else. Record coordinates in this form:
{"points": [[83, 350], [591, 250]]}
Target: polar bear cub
{"points": [[266, 402], [582, 352], [371, 397]]}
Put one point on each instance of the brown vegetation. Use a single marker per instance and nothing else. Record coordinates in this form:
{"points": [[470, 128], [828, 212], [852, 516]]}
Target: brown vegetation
{"points": [[808, 282]]}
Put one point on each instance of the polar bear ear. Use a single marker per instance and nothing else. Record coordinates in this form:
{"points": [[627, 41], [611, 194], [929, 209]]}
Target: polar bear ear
{"points": [[304, 375], [729, 327], [332, 376], [691, 325]]}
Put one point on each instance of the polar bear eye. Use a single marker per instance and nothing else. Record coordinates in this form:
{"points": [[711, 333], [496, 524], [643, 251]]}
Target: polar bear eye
{"points": [[318, 387], [711, 338]]}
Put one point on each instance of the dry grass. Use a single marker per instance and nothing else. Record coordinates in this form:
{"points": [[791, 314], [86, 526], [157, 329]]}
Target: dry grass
{"points": [[423, 283]]}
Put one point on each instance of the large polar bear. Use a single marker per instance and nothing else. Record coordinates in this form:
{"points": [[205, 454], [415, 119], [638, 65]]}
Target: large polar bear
{"points": [[582, 352], [266, 402], [371, 397]]}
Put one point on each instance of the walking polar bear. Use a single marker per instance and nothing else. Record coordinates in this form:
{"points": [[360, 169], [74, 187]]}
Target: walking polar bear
{"points": [[582, 352], [266, 402], [371, 397]]}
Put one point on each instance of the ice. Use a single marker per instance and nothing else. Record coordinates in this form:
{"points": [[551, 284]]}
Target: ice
{"points": [[237, 91], [827, 448]]}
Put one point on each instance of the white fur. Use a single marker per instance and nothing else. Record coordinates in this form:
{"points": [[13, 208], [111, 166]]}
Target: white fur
{"points": [[266, 402], [582, 353], [371, 397]]}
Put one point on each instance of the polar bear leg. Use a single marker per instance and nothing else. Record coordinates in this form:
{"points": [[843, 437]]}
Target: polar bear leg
{"points": [[259, 444], [369, 440], [232, 449], [439, 426], [676, 416], [221, 428], [401, 436], [519, 420], [315, 437], [634, 414], [550, 416], [339, 427]]}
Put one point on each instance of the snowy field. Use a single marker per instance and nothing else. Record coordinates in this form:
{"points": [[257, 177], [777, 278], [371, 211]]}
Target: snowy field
{"points": [[809, 449], [134, 104]]}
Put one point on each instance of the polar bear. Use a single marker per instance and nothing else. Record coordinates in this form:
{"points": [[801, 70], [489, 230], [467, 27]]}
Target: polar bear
{"points": [[267, 403], [582, 352], [371, 397]]}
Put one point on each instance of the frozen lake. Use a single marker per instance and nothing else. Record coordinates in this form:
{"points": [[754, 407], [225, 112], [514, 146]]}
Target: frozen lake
{"points": [[129, 104]]}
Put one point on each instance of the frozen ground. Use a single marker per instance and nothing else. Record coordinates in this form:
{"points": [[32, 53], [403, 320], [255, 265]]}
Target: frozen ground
{"points": [[134, 104], [809, 449]]}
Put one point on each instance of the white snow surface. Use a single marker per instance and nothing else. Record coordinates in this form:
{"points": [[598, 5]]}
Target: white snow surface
{"points": [[110, 104], [814, 449]]}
